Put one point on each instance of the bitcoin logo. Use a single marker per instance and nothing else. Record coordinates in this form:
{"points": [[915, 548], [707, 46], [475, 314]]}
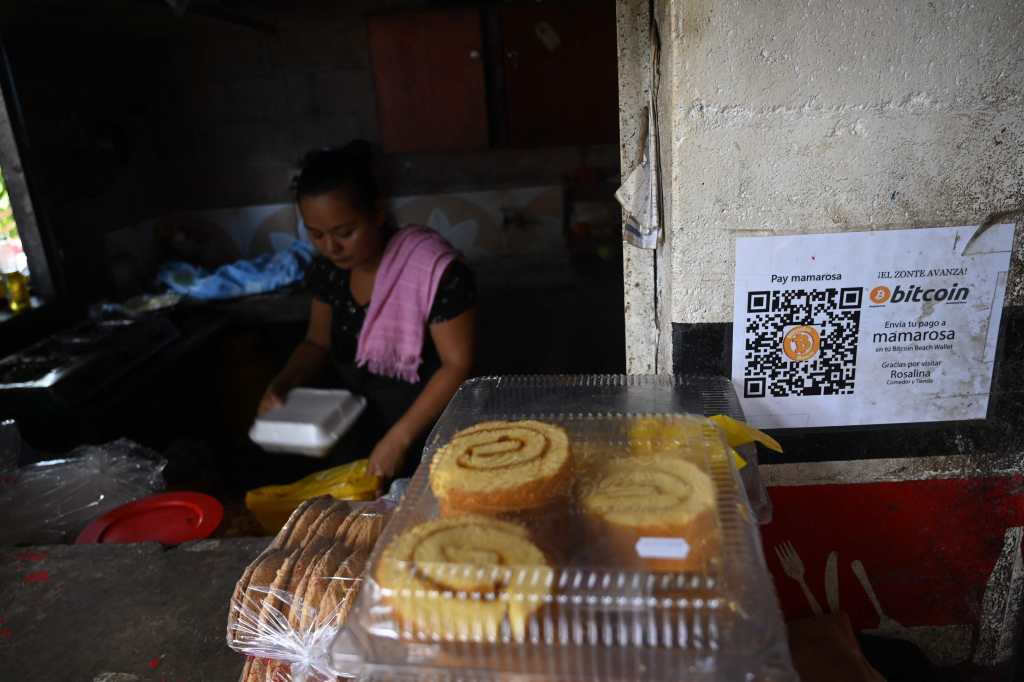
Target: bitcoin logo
{"points": [[801, 343], [880, 295]]}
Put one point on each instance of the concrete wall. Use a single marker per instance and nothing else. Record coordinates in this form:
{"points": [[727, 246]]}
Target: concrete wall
{"points": [[789, 117], [255, 103], [142, 113], [641, 289]]}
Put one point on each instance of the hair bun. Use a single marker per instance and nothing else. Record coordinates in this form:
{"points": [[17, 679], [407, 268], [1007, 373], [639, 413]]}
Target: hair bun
{"points": [[349, 168], [359, 151]]}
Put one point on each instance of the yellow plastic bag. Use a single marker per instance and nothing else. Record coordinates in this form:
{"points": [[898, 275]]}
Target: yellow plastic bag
{"points": [[650, 435], [741, 433], [272, 504]]}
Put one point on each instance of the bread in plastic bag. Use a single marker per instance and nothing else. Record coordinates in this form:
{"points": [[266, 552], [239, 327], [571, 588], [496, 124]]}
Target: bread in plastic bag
{"points": [[291, 601]]}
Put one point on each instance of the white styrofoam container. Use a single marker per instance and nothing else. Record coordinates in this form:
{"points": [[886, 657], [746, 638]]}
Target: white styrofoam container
{"points": [[310, 422]]}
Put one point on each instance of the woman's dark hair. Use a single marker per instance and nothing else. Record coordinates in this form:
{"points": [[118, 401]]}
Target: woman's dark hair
{"points": [[348, 169]]}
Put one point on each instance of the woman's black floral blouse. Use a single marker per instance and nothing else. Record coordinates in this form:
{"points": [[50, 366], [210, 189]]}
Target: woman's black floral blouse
{"points": [[456, 293]]}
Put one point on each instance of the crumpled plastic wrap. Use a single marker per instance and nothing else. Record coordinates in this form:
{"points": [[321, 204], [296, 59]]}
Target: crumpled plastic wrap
{"points": [[289, 638], [641, 192], [52, 501], [290, 602]]}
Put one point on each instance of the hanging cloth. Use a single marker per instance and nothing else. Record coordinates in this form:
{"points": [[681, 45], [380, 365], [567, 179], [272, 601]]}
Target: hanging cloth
{"points": [[640, 194]]}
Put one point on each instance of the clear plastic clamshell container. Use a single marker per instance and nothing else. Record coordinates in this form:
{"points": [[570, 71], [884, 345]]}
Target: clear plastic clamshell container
{"points": [[618, 394], [570, 545]]}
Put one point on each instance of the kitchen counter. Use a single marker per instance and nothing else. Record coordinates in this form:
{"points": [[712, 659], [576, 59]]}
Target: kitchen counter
{"points": [[174, 392], [99, 613], [290, 306]]}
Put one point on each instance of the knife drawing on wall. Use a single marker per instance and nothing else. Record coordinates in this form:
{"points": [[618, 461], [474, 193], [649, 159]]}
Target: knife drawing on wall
{"points": [[922, 561]]}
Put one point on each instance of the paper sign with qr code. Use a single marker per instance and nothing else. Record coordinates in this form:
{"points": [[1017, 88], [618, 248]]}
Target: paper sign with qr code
{"points": [[856, 328]]}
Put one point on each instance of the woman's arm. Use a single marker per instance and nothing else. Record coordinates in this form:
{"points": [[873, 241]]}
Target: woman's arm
{"points": [[455, 340], [307, 360]]}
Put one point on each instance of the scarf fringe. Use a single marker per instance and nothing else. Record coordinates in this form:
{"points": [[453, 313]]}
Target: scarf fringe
{"points": [[391, 341], [392, 366]]}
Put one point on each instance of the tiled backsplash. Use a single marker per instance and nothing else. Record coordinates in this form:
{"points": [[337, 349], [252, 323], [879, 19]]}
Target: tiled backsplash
{"points": [[490, 223], [484, 226]]}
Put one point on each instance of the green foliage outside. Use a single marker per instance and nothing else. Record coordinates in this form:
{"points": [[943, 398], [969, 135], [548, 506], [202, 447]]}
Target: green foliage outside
{"points": [[8, 230]]}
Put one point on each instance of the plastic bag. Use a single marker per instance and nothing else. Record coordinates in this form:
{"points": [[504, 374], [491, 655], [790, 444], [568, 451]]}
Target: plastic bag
{"points": [[652, 435], [265, 630], [50, 502], [291, 601], [242, 278], [272, 504], [10, 446], [397, 490]]}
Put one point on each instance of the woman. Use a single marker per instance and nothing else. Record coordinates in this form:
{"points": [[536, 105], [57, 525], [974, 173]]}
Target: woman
{"points": [[394, 311]]}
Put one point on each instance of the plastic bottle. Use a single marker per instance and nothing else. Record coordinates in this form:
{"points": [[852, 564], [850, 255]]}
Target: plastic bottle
{"points": [[18, 296]]}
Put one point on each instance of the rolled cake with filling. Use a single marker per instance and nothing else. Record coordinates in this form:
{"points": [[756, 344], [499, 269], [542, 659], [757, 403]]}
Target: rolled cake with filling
{"points": [[641, 507], [501, 466], [460, 578]]}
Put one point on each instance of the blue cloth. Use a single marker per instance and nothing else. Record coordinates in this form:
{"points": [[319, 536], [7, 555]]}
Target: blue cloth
{"points": [[241, 278]]}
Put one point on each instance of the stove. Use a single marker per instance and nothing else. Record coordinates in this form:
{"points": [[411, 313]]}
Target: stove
{"points": [[76, 363]]}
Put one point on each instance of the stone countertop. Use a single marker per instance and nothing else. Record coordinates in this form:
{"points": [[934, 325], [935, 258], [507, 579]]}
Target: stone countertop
{"points": [[131, 613]]}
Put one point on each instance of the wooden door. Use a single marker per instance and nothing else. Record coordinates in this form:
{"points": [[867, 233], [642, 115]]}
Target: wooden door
{"points": [[429, 75], [561, 74]]}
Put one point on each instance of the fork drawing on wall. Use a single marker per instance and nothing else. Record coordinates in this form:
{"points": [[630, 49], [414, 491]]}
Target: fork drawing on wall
{"points": [[794, 568]]}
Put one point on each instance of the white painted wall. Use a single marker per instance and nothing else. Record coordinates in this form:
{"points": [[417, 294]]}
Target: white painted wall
{"points": [[790, 116]]}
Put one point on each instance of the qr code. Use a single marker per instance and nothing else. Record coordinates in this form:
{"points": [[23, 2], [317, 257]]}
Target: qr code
{"points": [[801, 342]]}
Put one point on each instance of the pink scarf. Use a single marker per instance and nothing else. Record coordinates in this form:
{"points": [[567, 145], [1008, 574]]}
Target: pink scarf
{"points": [[391, 341]]}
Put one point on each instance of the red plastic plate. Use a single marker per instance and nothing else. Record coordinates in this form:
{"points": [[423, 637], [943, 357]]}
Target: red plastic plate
{"points": [[170, 518]]}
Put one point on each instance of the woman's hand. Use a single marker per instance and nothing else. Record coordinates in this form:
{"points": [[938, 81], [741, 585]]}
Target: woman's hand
{"points": [[388, 455], [273, 397], [455, 341]]}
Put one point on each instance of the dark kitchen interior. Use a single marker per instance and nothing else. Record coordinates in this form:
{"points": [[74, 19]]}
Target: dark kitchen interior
{"points": [[152, 130], [193, 247]]}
